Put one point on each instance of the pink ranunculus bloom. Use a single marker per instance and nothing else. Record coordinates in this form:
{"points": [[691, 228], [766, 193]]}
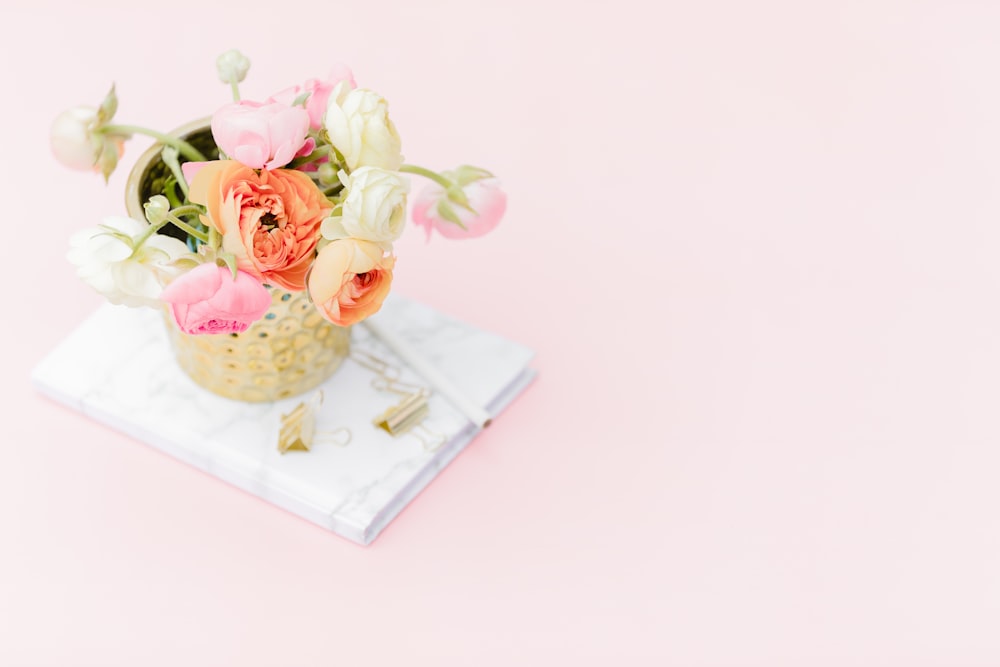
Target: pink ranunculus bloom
{"points": [[206, 300], [320, 90], [485, 197], [261, 136]]}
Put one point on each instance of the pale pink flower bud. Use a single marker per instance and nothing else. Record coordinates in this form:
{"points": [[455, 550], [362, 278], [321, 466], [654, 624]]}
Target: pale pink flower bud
{"points": [[319, 93], [433, 210], [261, 136]]}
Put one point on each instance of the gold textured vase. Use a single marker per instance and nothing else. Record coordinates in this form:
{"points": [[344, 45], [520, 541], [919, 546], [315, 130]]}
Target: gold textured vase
{"points": [[288, 352]]}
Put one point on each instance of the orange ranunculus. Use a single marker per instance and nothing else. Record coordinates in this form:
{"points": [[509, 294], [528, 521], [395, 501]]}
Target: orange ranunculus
{"points": [[349, 280], [270, 220]]}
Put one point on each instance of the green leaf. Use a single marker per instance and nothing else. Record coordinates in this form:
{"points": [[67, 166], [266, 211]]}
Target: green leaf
{"points": [[229, 259], [108, 108], [445, 210], [301, 99], [108, 159], [468, 174], [457, 195]]}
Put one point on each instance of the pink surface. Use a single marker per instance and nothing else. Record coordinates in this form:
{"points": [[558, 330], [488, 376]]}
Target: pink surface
{"points": [[755, 246]]}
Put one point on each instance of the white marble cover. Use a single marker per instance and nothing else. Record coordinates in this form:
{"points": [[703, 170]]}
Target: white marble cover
{"points": [[118, 368]]}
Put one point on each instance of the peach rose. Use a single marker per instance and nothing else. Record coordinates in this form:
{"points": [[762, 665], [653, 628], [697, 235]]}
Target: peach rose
{"points": [[349, 280], [269, 220]]}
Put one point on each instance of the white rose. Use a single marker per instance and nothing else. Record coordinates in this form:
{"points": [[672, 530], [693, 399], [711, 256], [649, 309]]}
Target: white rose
{"points": [[357, 122], [374, 208], [106, 262]]}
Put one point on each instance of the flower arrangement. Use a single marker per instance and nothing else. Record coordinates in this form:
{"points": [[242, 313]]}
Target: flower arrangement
{"points": [[307, 193]]}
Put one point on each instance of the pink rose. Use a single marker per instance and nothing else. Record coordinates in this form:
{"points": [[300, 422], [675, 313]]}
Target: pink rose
{"points": [[262, 136], [485, 197], [320, 93], [206, 300]]}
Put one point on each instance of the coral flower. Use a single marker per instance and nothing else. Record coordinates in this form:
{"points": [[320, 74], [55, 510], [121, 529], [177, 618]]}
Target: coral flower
{"points": [[269, 220]]}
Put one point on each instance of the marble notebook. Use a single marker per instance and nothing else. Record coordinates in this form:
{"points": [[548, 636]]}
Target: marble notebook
{"points": [[118, 368]]}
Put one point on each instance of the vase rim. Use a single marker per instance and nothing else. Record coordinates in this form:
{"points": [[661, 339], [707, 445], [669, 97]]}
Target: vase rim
{"points": [[133, 200]]}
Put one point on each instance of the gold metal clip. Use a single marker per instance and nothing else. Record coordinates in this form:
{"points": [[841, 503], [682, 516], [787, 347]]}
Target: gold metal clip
{"points": [[401, 418], [298, 427]]}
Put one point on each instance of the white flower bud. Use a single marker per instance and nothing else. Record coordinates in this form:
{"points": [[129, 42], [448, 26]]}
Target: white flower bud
{"points": [[232, 66], [73, 139], [157, 209], [327, 174]]}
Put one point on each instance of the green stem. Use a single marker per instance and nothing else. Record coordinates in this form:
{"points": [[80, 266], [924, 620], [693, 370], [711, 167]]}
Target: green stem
{"points": [[186, 149], [142, 238], [188, 209], [196, 233], [427, 173], [452, 189], [319, 152], [171, 194], [236, 90], [171, 217]]}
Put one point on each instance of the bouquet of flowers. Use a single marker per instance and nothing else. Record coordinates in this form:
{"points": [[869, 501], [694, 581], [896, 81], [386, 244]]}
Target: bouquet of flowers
{"points": [[305, 192]]}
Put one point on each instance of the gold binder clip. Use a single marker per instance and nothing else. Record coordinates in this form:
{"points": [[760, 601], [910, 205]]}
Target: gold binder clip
{"points": [[298, 427], [401, 418]]}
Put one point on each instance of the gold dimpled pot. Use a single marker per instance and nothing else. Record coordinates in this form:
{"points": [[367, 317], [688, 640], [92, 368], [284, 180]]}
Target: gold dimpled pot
{"points": [[288, 352], [292, 350]]}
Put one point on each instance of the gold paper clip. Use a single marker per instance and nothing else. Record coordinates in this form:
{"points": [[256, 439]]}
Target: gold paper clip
{"points": [[397, 387], [401, 418], [431, 440], [380, 367], [298, 427]]}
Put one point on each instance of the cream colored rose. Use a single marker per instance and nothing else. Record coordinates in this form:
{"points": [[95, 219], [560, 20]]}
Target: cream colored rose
{"points": [[357, 122], [105, 261], [374, 208]]}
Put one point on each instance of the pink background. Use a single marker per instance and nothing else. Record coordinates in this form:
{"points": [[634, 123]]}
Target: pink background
{"points": [[755, 246]]}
